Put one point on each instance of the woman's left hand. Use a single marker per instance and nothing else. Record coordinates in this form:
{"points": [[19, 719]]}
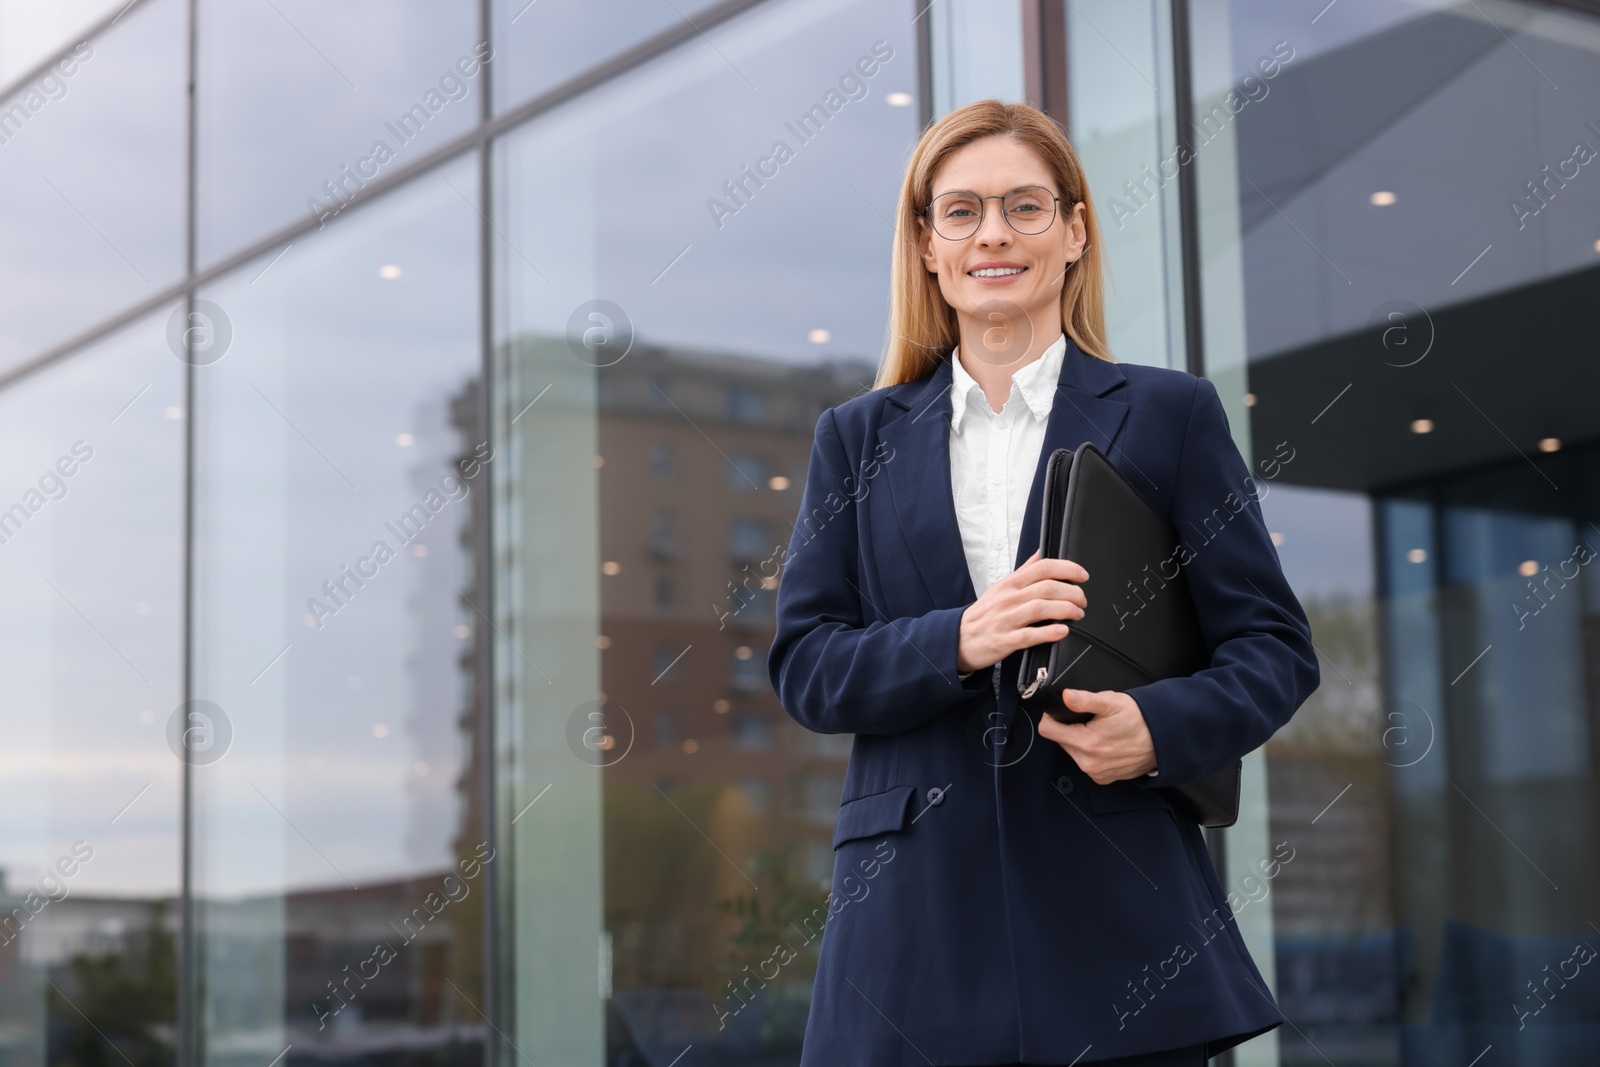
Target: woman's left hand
{"points": [[1114, 745]]}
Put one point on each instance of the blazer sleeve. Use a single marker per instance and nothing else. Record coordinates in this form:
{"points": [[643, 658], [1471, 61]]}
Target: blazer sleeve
{"points": [[834, 671], [1263, 665]]}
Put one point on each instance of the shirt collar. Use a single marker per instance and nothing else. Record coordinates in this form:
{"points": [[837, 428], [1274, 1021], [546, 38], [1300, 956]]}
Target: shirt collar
{"points": [[1037, 382]]}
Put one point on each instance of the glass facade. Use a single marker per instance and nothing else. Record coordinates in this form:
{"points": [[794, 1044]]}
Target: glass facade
{"points": [[400, 432]]}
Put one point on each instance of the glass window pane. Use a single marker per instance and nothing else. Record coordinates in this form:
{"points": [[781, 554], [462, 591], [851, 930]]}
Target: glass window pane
{"points": [[30, 32], [1122, 126], [751, 303], [91, 625], [303, 104], [1396, 287], [339, 842], [543, 43], [91, 190]]}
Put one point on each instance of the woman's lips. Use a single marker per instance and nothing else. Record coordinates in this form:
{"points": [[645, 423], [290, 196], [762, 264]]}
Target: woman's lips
{"points": [[1000, 279]]}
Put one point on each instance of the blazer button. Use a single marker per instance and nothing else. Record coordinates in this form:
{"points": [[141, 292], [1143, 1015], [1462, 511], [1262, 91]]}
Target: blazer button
{"points": [[1065, 784], [936, 795]]}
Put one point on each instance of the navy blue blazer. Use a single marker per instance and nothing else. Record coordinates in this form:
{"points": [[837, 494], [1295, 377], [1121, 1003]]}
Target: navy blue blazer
{"points": [[990, 902]]}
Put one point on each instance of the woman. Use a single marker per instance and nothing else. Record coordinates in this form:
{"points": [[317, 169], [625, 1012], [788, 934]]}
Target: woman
{"points": [[1009, 889]]}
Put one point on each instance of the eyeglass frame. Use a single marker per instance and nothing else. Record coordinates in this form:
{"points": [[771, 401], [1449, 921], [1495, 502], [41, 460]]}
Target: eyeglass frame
{"points": [[983, 211]]}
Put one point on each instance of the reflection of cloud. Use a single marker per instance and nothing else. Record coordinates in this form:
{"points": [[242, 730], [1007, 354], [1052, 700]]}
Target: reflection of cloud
{"points": [[808, 235], [114, 141], [30, 33]]}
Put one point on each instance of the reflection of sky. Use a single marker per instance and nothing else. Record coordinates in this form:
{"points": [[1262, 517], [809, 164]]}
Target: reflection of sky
{"points": [[288, 497], [809, 250], [91, 666], [31, 31], [91, 186], [1327, 539], [1455, 132], [541, 44], [293, 90]]}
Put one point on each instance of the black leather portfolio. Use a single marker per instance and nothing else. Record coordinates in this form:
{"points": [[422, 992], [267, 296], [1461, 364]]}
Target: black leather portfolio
{"points": [[1139, 625]]}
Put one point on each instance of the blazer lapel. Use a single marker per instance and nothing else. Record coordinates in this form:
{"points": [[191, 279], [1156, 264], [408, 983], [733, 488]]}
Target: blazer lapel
{"points": [[1087, 407], [919, 484]]}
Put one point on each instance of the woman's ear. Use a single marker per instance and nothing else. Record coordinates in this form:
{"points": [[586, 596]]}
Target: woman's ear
{"points": [[1077, 232], [925, 245]]}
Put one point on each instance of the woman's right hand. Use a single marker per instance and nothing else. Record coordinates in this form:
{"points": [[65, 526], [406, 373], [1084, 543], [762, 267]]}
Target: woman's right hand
{"points": [[997, 623]]}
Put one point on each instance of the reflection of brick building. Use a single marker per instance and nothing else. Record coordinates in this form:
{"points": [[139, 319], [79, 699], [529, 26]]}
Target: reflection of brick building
{"points": [[704, 460]]}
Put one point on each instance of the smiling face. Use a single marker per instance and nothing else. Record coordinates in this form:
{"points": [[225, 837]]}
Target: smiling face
{"points": [[995, 262]]}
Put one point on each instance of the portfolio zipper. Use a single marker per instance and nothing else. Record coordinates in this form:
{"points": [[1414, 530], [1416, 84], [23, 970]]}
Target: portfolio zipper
{"points": [[1033, 687]]}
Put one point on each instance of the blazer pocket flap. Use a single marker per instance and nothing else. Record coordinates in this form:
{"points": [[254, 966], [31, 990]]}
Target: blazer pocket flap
{"points": [[1123, 796], [878, 813]]}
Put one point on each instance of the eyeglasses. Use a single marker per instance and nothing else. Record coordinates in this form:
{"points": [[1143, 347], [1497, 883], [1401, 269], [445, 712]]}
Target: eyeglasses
{"points": [[1028, 209]]}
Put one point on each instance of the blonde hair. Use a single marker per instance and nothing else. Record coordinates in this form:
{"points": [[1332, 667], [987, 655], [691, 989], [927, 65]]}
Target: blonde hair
{"points": [[923, 328]]}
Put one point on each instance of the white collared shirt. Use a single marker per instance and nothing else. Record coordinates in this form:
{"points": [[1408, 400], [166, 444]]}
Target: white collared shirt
{"points": [[993, 457]]}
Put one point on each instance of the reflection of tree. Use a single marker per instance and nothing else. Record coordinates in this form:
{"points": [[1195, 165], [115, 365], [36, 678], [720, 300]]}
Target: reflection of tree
{"points": [[784, 921], [1343, 715], [126, 996], [664, 930], [1339, 882]]}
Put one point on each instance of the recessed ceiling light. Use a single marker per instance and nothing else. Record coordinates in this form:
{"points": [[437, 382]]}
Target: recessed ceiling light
{"points": [[1249, 400], [1382, 198], [898, 99], [780, 483], [404, 440], [1528, 568], [819, 337], [1549, 444], [611, 567], [1417, 555], [1421, 425], [389, 272]]}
